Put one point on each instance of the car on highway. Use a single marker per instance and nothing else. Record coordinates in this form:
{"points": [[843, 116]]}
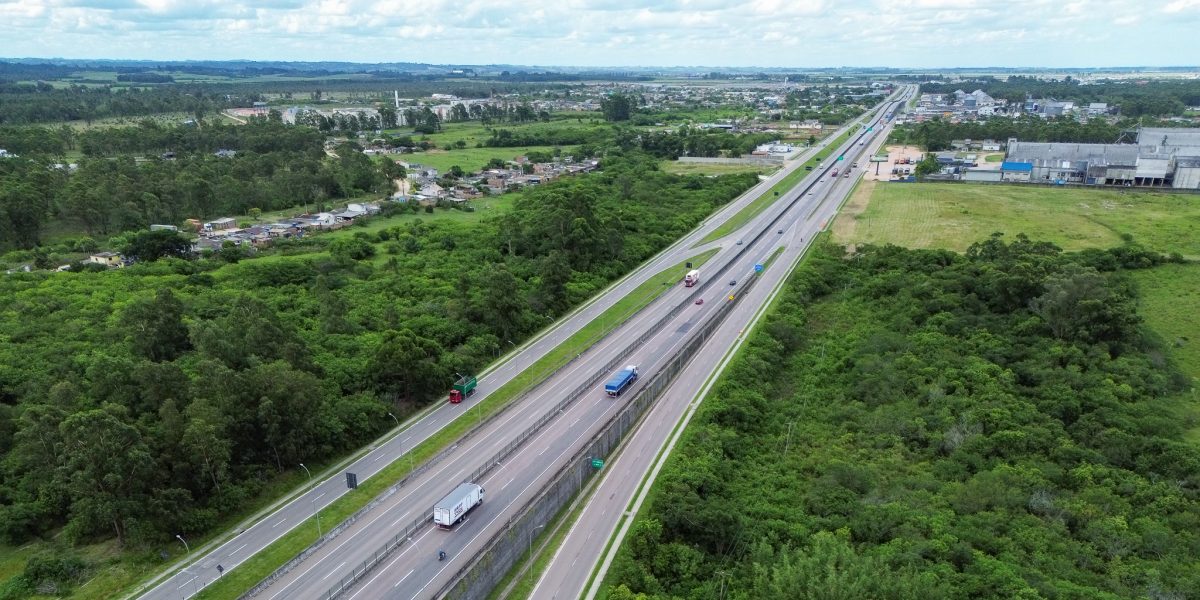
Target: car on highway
{"points": [[732, 282], [780, 231], [699, 300], [739, 242]]}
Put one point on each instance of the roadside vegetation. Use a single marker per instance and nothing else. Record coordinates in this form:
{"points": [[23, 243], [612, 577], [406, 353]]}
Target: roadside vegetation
{"points": [[158, 371], [992, 424]]}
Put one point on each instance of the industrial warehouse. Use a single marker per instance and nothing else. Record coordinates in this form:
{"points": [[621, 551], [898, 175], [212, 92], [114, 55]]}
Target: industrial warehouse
{"points": [[1161, 158]]}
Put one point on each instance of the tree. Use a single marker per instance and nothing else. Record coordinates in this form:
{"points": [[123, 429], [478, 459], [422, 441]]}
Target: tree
{"points": [[616, 107], [406, 365], [149, 246], [107, 470], [156, 328]]}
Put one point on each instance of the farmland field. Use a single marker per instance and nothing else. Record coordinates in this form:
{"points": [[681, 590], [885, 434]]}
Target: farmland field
{"points": [[954, 216]]}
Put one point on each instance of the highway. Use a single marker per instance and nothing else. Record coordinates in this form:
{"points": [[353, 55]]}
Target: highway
{"points": [[585, 544], [299, 511], [414, 571]]}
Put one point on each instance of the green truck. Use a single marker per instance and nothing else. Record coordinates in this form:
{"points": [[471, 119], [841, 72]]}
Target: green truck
{"points": [[465, 386]]}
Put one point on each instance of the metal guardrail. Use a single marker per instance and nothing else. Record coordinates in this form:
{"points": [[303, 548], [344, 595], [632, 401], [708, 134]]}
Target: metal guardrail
{"points": [[484, 571], [366, 566]]}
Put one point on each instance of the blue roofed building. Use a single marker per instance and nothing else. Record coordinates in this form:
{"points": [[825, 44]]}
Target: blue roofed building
{"points": [[1015, 171]]}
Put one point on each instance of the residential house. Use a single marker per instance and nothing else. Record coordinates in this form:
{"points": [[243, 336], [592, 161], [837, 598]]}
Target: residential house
{"points": [[222, 224], [163, 228], [108, 259]]}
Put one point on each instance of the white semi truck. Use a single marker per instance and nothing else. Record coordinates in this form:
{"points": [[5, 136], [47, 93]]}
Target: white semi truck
{"points": [[456, 504]]}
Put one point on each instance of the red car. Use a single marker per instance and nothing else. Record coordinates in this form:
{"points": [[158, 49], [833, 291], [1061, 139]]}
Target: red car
{"points": [[699, 300]]}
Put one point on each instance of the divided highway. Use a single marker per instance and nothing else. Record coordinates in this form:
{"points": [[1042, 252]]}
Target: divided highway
{"points": [[414, 570], [299, 511], [567, 574]]}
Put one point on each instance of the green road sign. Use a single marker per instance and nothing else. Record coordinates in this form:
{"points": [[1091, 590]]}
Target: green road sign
{"points": [[597, 463], [842, 157]]}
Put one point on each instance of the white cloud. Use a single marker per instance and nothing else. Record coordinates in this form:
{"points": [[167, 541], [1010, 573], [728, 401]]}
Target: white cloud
{"points": [[609, 32]]}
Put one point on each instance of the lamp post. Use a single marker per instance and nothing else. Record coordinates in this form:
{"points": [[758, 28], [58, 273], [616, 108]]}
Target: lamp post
{"points": [[531, 532], [316, 514], [306, 471], [394, 419], [185, 544]]}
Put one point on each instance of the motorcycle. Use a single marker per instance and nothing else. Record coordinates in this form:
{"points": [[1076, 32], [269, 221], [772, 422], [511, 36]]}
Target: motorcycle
{"points": [[441, 555]]}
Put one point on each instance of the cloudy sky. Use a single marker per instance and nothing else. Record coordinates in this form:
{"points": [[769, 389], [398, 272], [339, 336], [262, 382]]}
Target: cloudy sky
{"points": [[783, 33]]}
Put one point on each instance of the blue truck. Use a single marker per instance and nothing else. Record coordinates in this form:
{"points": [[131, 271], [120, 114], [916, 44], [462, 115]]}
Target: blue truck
{"points": [[623, 379]]}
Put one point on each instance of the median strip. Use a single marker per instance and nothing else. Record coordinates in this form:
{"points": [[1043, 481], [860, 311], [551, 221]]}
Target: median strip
{"points": [[233, 584]]}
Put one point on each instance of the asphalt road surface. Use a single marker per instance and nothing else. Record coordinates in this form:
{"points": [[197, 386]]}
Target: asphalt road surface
{"points": [[414, 571], [584, 546], [300, 511]]}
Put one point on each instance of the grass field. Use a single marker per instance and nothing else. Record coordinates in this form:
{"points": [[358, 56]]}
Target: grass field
{"points": [[686, 168], [954, 216], [472, 159], [474, 132], [1169, 303], [994, 158]]}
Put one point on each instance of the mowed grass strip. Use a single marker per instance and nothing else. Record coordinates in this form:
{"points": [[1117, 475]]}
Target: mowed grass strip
{"points": [[235, 582], [954, 216], [691, 168], [760, 204]]}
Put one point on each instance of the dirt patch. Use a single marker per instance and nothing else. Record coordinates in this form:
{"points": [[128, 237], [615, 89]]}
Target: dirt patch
{"points": [[894, 154], [847, 220]]}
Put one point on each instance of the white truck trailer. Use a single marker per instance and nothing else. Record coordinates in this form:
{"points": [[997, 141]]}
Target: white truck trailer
{"points": [[450, 510]]}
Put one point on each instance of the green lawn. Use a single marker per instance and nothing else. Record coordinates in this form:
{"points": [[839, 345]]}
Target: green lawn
{"points": [[994, 158], [234, 583], [1170, 298], [688, 168], [929, 215], [472, 159], [474, 132]]}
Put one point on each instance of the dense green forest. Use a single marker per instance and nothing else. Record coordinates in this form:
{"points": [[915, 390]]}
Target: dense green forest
{"points": [[275, 167], [925, 424], [1135, 98], [149, 401], [22, 103], [937, 134]]}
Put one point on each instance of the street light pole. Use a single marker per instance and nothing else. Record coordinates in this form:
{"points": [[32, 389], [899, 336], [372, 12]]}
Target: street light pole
{"points": [[531, 532], [306, 471], [316, 514], [185, 544], [394, 419]]}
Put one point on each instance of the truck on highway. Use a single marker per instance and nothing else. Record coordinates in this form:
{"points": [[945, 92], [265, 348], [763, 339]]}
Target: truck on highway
{"points": [[692, 278], [621, 380], [456, 504], [465, 386]]}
